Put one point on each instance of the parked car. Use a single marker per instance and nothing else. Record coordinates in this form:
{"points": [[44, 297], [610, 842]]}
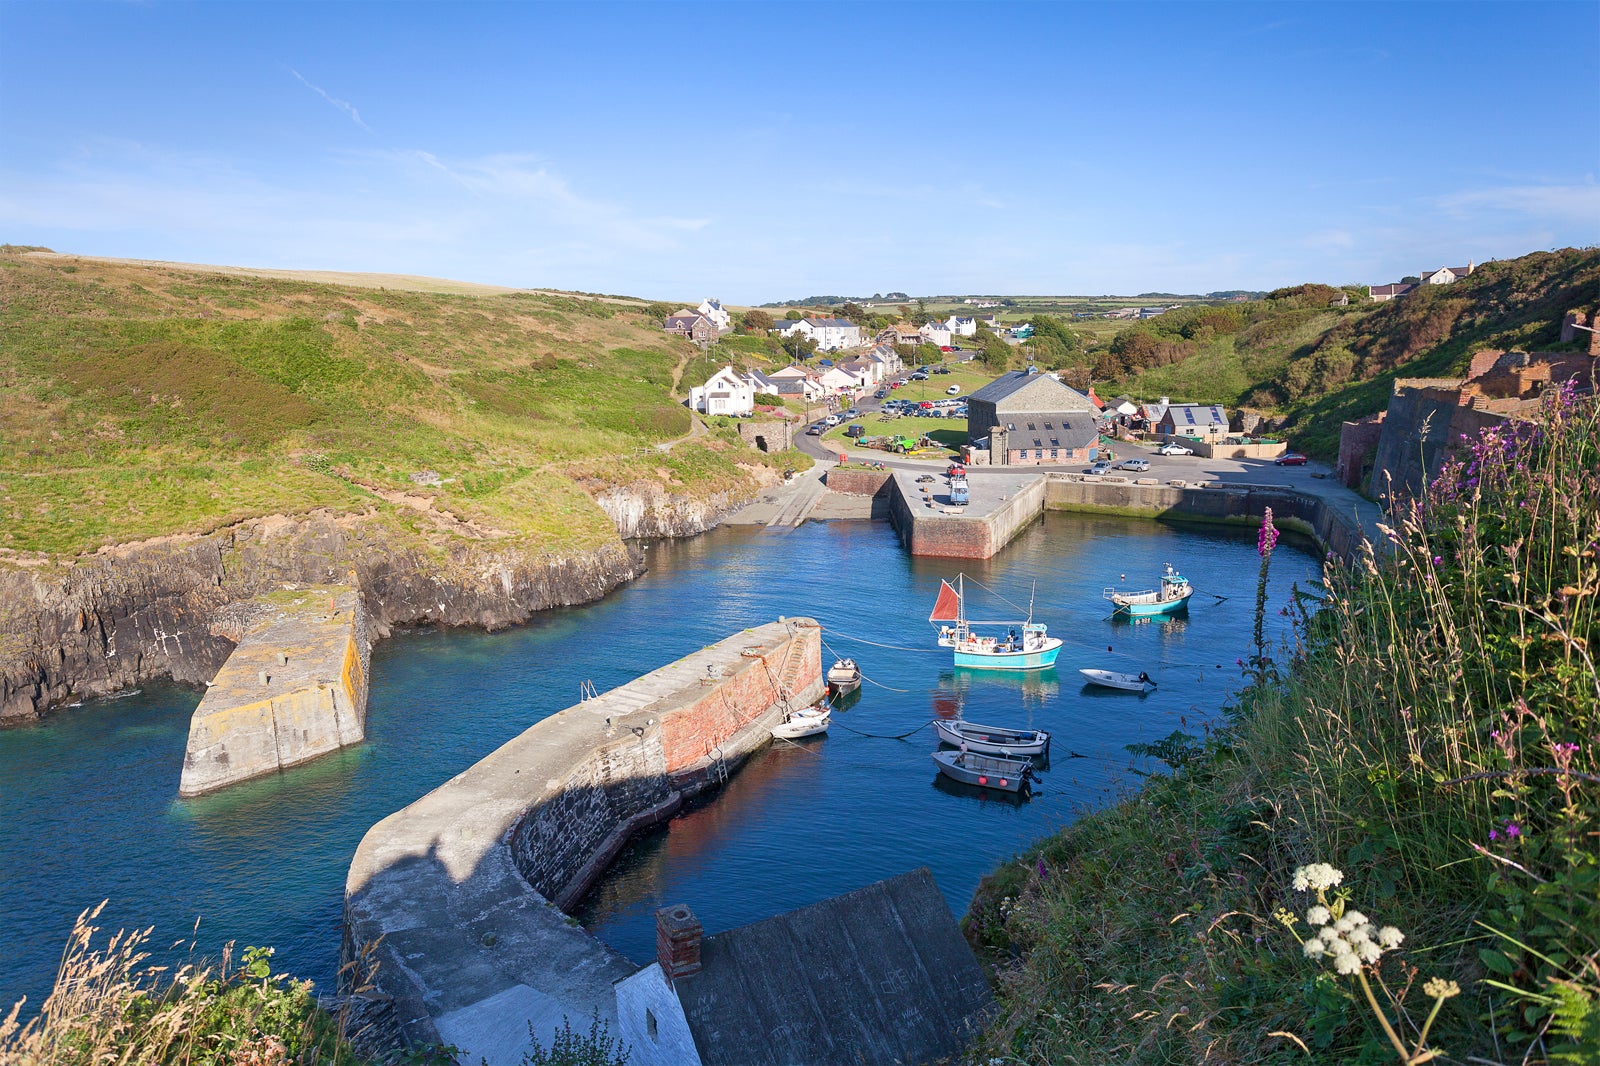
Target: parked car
{"points": [[946, 348], [1290, 459], [1134, 464], [814, 431], [921, 375], [852, 413], [1101, 467], [880, 394], [832, 420], [1174, 449], [952, 390], [943, 369]]}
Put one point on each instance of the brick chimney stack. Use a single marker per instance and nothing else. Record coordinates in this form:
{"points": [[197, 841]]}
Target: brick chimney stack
{"points": [[678, 935]]}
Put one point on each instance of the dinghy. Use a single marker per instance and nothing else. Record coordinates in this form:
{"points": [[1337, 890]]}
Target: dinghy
{"points": [[985, 771], [1112, 679], [803, 723], [992, 740], [844, 677]]}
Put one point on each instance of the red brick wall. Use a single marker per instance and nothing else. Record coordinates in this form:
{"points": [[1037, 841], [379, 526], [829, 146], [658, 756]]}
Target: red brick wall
{"points": [[692, 732], [951, 539]]}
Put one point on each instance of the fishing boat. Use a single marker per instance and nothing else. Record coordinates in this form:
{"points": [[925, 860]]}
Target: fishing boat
{"points": [[1170, 598], [991, 739], [806, 722], [1112, 679], [986, 771], [1025, 645], [844, 677]]}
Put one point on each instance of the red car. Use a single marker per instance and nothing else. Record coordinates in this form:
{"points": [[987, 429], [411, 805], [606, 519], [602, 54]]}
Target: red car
{"points": [[1290, 459]]}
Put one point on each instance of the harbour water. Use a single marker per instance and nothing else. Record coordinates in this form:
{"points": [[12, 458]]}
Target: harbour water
{"points": [[89, 810]]}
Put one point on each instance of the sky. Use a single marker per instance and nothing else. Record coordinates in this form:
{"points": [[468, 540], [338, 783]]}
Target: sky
{"points": [[762, 152]]}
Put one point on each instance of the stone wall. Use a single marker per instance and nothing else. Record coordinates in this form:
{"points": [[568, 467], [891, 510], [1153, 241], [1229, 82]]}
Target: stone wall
{"points": [[1357, 442], [1221, 449], [460, 891], [294, 688], [772, 436], [859, 482]]}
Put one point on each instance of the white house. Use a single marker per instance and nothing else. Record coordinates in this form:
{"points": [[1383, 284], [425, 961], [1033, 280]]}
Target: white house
{"points": [[832, 334], [785, 326], [1445, 275], [837, 381], [961, 325], [724, 393], [718, 315], [797, 383], [936, 333]]}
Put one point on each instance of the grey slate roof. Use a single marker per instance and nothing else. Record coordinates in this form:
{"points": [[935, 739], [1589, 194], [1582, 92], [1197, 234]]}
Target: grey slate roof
{"points": [[879, 975], [1053, 429], [842, 323], [1015, 381]]}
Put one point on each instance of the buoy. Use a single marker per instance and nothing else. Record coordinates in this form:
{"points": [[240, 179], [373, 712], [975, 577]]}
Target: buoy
{"points": [[1108, 647], [982, 780], [1002, 782]]}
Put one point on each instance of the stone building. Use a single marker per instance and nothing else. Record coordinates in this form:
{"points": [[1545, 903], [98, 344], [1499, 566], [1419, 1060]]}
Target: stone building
{"points": [[693, 325], [1032, 418]]}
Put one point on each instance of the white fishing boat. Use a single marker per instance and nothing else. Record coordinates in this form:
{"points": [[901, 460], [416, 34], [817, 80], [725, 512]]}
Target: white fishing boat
{"points": [[1112, 679], [807, 722], [985, 771], [992, 740], [844, 677], [1026, 645], [1170, 598]]}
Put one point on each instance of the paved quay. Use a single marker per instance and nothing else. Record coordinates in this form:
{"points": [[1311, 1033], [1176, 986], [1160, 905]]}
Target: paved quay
{"points": [[461, 891]]}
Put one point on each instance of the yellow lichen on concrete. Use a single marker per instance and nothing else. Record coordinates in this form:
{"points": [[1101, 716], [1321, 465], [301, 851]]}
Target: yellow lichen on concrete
{"points": [[293, 689]]}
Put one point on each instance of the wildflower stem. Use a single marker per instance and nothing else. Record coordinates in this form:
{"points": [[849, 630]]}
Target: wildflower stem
{"points": [[1422, 1038], [1383, 1019]]}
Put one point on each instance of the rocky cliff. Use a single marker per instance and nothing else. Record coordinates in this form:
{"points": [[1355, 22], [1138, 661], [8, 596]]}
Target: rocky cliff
{"points": [[101, 622], [645, 510]]}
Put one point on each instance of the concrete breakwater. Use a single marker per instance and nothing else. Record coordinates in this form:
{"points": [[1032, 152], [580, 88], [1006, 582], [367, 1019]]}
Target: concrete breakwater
{"points": [[465, 886], [294, 688], [1002, 504]]}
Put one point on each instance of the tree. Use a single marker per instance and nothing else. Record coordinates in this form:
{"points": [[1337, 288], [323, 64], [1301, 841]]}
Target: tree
{"points": [[992, 349], [921, 318], [757, 321], [853, 311], [793, 316], [799, 346]]}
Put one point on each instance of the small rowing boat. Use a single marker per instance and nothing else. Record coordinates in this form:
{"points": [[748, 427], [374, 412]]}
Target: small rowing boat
{"points": [[992, 740], [844, 677], [985, 771], [1112, 679], [807, 722]]}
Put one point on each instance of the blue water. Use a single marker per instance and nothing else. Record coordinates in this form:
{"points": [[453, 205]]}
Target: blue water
{"points": [[88, 806]]}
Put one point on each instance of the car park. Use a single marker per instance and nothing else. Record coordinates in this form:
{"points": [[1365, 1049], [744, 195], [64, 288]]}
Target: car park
{"points": [[1100, 468], [1173, 448], [1290, 459], [1134, 464]]}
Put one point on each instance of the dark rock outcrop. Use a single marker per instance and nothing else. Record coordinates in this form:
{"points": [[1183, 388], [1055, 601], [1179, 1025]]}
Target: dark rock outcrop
{"points": [[104, 621]]}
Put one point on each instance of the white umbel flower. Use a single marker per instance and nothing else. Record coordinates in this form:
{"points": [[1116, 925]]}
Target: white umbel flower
{"points": [[1318, 915], [1390, 937], [1347, 964], [1317, 875], [1314, 948]]}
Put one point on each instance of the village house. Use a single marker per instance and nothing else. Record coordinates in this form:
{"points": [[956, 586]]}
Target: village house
{"points": [[718, 315], [888, 358], [796, 383], [1192, 421], [935, 333], [1445, 275], [900, 334], [693, 325], [1382, 293], [727, 392], [881, 974], [961, 325], [837, 381], [831, 334], [1029, 418]]}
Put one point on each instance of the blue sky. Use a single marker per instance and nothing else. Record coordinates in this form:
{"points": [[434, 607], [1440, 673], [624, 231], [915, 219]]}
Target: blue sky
{"points": [[765, 151]]}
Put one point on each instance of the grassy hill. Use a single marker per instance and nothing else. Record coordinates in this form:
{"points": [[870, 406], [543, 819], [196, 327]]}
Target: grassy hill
{"points": [[1294, 354], [139, 400]]}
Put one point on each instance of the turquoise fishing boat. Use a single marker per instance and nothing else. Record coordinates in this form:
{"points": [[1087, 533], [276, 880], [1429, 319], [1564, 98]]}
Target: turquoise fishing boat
{"points": [[1026, 645], [1170, 598]]}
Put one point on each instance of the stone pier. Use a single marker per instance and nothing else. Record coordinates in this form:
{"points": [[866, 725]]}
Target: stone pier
{"points": [[461, 894], [294, 688]]}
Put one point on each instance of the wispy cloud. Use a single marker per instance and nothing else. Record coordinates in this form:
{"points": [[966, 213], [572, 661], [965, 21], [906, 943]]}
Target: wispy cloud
{"points": [[1569, 203], [343, 105]]}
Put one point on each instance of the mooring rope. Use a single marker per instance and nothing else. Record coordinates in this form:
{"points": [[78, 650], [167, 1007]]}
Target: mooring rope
{"points": [[864, 677], [876, 644], [885, 736]]}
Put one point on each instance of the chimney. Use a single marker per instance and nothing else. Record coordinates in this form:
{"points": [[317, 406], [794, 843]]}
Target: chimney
{"points": [[678, 935]]}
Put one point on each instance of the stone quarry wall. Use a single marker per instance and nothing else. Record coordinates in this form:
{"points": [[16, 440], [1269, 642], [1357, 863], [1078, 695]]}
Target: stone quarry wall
{"points": [[1336, 531], [161, 608], [294, 688], [460, 891]]}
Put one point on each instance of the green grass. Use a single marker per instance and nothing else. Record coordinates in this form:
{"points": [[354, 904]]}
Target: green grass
{"points": [[141, 401], [1444, 695]]}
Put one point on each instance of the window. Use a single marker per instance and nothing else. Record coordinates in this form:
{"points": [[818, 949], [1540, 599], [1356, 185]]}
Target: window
{"points": [[1055, 442], [1048, 426], [1030, 427], [1052, 451], [650, 1023]]}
